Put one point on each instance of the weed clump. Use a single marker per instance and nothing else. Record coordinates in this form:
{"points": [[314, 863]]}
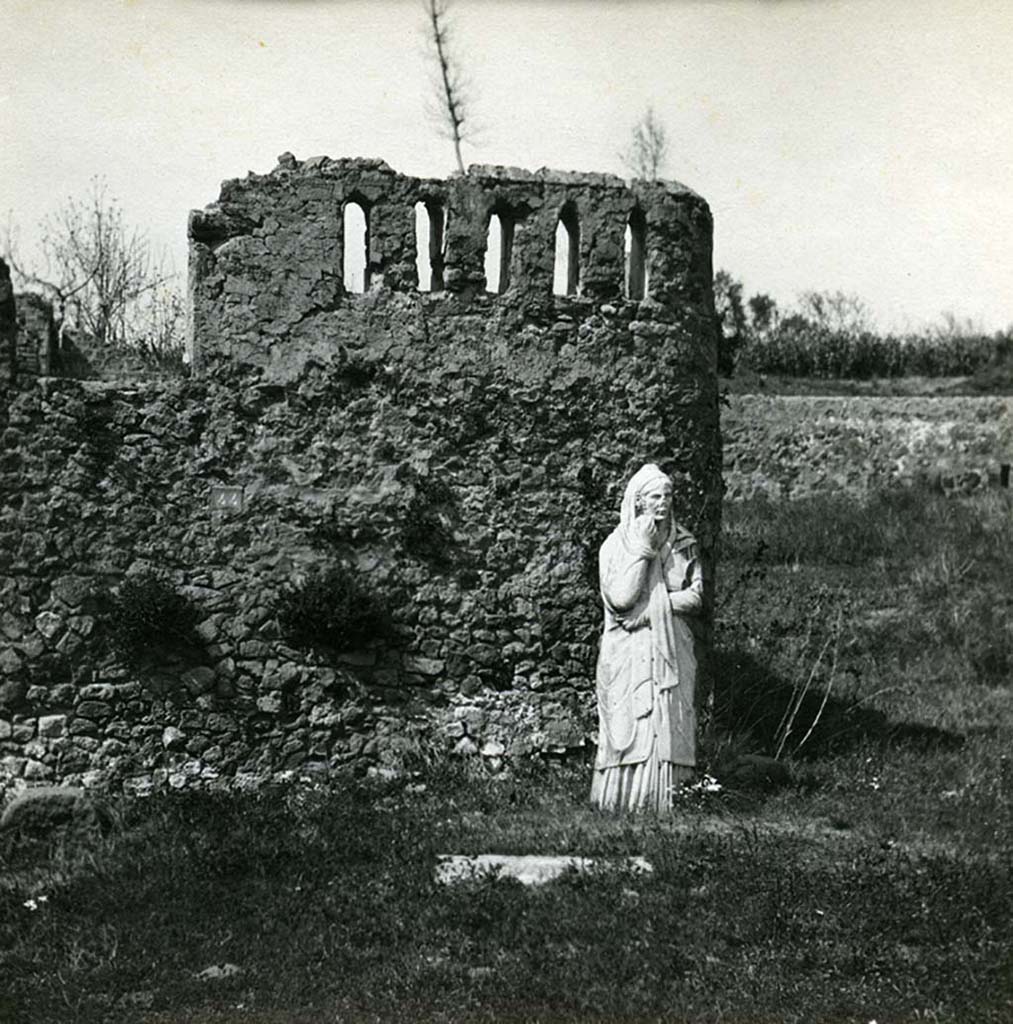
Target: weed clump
{"points": [[332, 607], [149, 612], [424, 529]]}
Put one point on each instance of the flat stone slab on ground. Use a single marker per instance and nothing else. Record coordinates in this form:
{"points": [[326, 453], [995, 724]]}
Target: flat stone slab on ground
{"points": [[528, 869]]}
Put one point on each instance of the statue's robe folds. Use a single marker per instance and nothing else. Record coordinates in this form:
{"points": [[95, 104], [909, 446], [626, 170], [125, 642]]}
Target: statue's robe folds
{"points": [[646, 671]]}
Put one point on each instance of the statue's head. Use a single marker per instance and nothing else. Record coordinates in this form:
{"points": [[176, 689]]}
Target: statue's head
{"points": [[650, 491], [655, 498]]}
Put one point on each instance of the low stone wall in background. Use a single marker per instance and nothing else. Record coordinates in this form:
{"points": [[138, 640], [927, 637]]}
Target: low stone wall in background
{"points": [[798, 446]]}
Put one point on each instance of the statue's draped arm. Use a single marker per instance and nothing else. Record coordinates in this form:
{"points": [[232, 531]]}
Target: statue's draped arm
{"points": [[688, 599], [623, 576]]}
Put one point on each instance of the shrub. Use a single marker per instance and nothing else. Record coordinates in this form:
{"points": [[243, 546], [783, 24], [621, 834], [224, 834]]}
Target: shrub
{"points": [[797, 347], [424, 529], [333, 608], [149, 612]]}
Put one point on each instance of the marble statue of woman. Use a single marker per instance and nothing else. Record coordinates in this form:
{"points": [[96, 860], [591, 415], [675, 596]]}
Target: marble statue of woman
{"points": [[650, 579]]}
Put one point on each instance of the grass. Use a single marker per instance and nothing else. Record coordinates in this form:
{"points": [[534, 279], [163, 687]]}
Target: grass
{"points": [[877, 885]]}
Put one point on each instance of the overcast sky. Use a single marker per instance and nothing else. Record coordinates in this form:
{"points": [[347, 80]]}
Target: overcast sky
{"points": [[863, 146]]}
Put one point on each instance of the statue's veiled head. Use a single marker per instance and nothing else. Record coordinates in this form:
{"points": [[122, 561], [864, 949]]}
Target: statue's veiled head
{"points": [[649, 491]]}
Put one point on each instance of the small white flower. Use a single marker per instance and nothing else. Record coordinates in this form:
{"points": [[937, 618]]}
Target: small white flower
{"points": [[43, 899], [30, 905]]}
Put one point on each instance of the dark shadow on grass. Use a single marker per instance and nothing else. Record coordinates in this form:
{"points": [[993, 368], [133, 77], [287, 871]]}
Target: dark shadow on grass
{"points": [[751, 700]]}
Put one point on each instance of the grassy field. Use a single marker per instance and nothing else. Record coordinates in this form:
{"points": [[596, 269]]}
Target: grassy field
{"points": [[869, 643]]}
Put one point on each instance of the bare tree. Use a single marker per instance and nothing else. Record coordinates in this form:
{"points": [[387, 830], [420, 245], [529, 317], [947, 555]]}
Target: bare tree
{"points": [[158, 327], [838, 311], [100, 274], [452, 101], [647, 153], [950, 326]]}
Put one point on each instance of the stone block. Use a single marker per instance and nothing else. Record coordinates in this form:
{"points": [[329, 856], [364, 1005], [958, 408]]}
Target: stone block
{"points": [[33, 646], [270, 703], [83, 625], [96, 710], [11, 627], [62, 694], [73, 591], [209, 630], [172, 738], [197, 745], [528, 869], [217, 722], [423, 666], [49, 624], [97, 691], [199, 679], [10, 663], [23, 730], [472, 717], [37, 770], [52, 725]]}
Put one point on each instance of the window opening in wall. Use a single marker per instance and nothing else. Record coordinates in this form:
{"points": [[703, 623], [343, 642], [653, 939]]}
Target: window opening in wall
{"points": [[636, 256], [499, 244], [355, 261], [430, 225], [566, 271]]}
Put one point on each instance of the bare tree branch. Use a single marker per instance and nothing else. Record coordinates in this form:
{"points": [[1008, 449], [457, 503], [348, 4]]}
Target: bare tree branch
{"points": [[101, 275], [647, 153], [453, 104]]}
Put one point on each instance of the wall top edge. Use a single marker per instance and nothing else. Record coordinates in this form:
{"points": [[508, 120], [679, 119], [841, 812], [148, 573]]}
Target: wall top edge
{"points": [[480, 174]]}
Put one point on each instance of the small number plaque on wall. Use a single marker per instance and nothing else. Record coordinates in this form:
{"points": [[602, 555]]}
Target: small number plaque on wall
{"points": [[226, 499]]}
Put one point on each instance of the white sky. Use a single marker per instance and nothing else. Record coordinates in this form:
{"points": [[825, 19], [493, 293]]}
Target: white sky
{"points": [[865, 146]]}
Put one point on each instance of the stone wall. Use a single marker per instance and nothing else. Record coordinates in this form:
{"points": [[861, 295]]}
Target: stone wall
{"points": [[8, 326], [794, 446], [81, 356], [266, 262], [43, 351], [465, 453], [36, 335]]}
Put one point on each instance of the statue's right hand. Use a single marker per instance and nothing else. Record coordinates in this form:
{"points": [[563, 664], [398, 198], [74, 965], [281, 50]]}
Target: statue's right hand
{"points": [[647, 530]]}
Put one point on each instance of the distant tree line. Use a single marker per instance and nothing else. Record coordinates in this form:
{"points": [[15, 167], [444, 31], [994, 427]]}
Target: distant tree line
{"points": [[832, 335]]}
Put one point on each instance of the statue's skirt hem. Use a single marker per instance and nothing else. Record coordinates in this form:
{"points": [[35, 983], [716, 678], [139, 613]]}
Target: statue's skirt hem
{"points": [[649, 786]]}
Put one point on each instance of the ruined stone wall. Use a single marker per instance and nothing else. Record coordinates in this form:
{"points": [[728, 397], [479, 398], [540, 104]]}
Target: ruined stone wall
{"points": [[266, 264], [80, 356], [36, 335], [464, 452], [8, 326], [43, 352]]}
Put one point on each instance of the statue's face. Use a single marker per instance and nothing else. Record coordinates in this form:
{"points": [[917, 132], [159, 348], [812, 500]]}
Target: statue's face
{"points": [[655, 500]]}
